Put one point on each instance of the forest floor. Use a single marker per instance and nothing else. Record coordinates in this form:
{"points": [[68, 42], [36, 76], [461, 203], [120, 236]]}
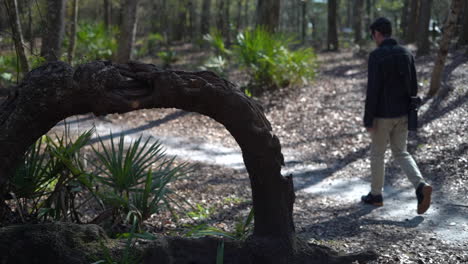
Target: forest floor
{"points": [[327, 151]]}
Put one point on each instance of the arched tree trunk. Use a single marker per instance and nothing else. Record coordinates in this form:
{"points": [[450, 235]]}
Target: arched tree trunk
{"points": [[55, 91], [449, 29]]}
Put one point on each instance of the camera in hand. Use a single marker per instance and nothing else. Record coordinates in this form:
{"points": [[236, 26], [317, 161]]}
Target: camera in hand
{"points": [[415, 103]]}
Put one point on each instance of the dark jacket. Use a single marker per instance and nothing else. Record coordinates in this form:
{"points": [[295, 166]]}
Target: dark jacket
{"points": [[391, 82]]}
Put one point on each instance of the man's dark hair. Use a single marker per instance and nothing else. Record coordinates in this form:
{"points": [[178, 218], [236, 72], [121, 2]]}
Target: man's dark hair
{"points": [[382, 25]]}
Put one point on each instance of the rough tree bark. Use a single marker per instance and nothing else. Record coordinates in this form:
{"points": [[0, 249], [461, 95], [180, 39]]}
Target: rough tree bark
{"points": [[449, 29], [268, 12], [127, 31], [11, 7], [52, 37], [72, 37], [304, 20], [55, 91], [423, 28], [332, 39]]}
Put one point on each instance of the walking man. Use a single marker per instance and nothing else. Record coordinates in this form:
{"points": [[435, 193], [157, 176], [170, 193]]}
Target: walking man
{"points": [[391, 81]]}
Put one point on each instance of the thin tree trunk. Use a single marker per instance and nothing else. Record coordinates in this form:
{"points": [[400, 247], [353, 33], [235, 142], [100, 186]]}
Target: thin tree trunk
{"points": [[107, 14], [220, 19], [449, 29], [423, 28], [127, 31], [304, 21], [239, 16], [73, 24], [205, 17], [30, 33], [227, 24], [404, 18], [413, 22], [332, 40], [12, 9], [268, 12], [358, 14], [51, 48], [463, 40], [190, 9]]}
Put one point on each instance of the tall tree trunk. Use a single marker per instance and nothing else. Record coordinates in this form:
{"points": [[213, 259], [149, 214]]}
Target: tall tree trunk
{"points": [[268, 12], [332, 40], [304, 21], [404, 18], [127, 31], [191, 17], [368, 12], [72, 37], [107, 14], [239, 17], [181, 21], [30, 32], [413, 20], [349, 12], [423, 28], [52, 37], [220, 19], [358, 14], [227, 24], [11, 7], [463, 40], [449, 29], [205, 17]]}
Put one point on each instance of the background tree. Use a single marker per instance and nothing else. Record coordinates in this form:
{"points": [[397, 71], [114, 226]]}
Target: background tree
{"points": [[73, 25], [463, 40], [107, 6], [11, 6], [127, 31], [423, 28], [268, 12], [405, 18], [413, 22], [51, 48], [205, 17], [449, 28], [332, 39], [357, 25]]}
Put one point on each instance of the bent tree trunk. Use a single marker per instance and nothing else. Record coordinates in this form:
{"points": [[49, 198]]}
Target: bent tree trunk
{"points": [[55, 91]]}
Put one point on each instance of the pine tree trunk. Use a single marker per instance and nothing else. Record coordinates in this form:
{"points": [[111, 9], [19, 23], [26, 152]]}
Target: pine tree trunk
{"points": [[332, 40], [73, 24], [404, 18], [304, 21], [358, 14], [107, 14], [413, 21], [239, 16], [268, 12], [227, 24], [127, 31], [444, 44], [52, 38], [463, 40], [423, 28], [205, 17], [11, 7]]}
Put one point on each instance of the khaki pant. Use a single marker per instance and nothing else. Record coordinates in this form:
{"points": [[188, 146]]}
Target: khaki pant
{"points": [[395, 131]]}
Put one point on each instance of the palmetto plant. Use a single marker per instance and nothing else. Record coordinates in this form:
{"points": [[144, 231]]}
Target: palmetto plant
{"points": [[270, 62], [136, 176], [51, 173]]}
